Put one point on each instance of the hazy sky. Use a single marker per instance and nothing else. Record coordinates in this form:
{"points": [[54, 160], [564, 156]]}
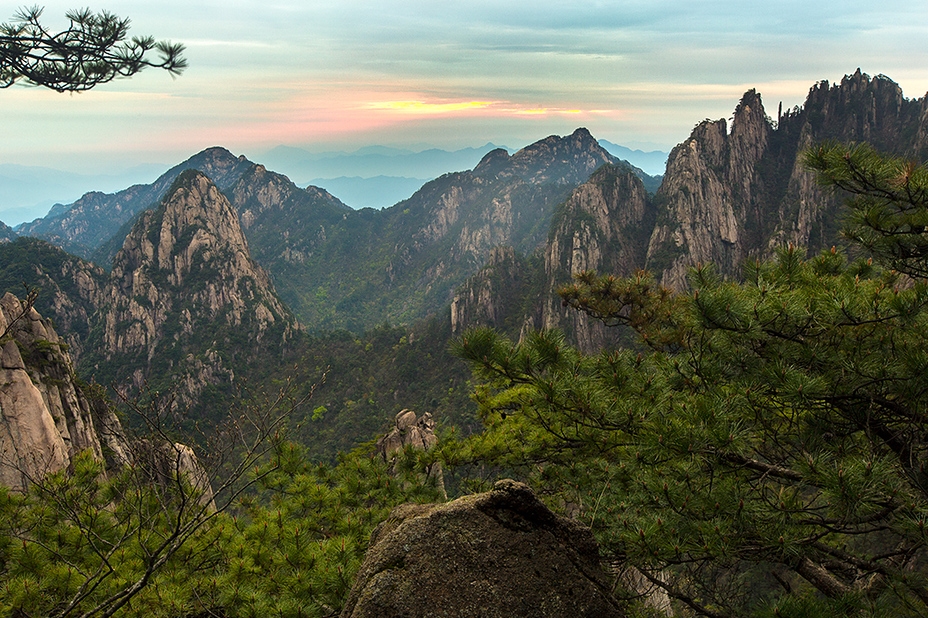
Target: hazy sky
{"points": [[343, 74]]}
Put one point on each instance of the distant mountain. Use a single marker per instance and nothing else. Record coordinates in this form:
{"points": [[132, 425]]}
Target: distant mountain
{"points": [[653, 162], [6, 232], [302, 166], [96, 217], [376, 192], [489, 245], [29, 192], [730, 193], [357, 269]]}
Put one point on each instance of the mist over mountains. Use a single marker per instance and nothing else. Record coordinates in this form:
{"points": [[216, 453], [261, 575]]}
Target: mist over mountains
{"points": [[370, 177], [28, 192]]}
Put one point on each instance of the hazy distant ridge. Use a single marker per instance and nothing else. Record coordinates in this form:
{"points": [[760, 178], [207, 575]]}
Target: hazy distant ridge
{"points": [[302, 166], [654, 163]]}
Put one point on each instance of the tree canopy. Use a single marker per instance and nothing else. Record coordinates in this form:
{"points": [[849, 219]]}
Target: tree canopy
{"points": [[93, 50], [762, 450]]}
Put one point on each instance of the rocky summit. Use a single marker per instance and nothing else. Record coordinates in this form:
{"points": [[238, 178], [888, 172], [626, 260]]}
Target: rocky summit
{"points": [[87, 224], [729, 194], [184, 295]]}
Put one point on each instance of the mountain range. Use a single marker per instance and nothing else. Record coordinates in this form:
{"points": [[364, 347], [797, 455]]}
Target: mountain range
{"points": [[236, 265]]}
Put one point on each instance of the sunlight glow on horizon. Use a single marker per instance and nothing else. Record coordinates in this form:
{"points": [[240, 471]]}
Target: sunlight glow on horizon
{"points": [[426, 108], [336, 75]]}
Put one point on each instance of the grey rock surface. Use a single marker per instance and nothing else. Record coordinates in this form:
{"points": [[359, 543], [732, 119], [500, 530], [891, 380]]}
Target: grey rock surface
{"points": [[492, 555]]}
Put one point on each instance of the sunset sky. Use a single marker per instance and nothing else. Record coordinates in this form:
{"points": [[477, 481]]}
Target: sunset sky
{"points": [[343, 74]]}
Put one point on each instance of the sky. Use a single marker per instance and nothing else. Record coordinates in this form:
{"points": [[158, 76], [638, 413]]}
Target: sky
{"points": [[344, 74]]}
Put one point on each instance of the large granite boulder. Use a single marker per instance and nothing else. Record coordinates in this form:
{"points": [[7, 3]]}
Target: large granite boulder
{"points": [[499, 554]]}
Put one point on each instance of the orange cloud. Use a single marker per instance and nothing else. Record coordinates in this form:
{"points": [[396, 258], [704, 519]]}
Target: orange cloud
{"points": [[427, 108], [418, 107]]}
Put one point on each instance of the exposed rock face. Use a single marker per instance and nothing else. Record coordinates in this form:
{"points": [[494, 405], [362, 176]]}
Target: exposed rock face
{"points": [[727, 196], [708, 190], [95, 217], [288, 227], [165, 461], [408, 430], [185, 292], [415, 432], [603, 226], [6, 233], [730, 196], [339, 267], [498, 554], [45, 419], [495, 296]]}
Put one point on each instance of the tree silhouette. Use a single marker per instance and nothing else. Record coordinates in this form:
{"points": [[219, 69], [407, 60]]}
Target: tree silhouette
{"points": [[93, 50]]}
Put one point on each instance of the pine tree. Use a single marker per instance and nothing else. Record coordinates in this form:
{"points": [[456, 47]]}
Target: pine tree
{"points": [[762, 450], [93, 50]]}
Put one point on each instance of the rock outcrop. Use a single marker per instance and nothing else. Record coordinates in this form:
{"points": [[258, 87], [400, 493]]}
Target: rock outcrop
{"points": [[731, 192], [6, 233], [70, 289], [728, 196], [603, 226], [493, 555], [495, 296], [45, 419], [415, 432]]}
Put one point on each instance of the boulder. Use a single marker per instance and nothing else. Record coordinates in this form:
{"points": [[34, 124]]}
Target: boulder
{"points": [[493, 555]]}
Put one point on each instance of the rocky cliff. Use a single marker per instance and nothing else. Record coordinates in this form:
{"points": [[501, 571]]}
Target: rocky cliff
{"points": [[603, 226], [185, 299], [45, 418], [496, 295], [70, 290], [361, 268], [6, 233], [730, 195]]}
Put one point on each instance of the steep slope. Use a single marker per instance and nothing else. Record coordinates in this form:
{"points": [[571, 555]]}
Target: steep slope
{"points": [[186, 305], [604, 226], [96, 217], [6, 233], [726, 196], [500, 294], [69, 289], [287, 226]]}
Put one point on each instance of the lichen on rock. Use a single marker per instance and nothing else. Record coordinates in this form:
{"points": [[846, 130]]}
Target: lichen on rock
{"points": [[497, 554]]}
